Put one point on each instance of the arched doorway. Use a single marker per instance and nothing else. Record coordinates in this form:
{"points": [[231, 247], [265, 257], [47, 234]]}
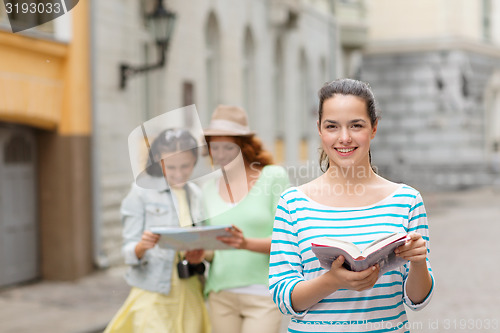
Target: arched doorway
{"points": [[18, 223], [492, 121]]}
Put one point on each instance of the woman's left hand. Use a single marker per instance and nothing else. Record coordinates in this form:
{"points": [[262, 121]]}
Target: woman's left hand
{"points": [[236, 240], [195, 256], [414, 250]]}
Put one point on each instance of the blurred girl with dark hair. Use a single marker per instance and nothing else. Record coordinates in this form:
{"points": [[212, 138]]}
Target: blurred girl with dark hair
{"points": [[162, 299]]}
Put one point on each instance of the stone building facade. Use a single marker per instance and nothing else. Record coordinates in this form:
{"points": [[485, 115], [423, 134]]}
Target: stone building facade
{"points": [[270, 57], [436, 81]]}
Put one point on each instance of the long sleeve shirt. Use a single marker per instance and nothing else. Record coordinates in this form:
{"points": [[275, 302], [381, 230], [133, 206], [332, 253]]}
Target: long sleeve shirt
{"points": [[299, 221]]}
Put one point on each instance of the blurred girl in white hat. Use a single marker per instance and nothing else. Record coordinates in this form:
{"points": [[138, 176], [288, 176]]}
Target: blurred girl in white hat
{"points": [[246, 198]]}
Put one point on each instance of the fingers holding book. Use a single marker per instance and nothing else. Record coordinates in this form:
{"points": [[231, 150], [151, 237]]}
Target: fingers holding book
{"points": [[194, 256], [414, 250], [148, 241], [346, 279], [236, 239]]}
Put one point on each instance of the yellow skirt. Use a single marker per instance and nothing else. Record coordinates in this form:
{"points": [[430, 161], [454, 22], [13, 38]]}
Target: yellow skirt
{"points": [[182, 311]]}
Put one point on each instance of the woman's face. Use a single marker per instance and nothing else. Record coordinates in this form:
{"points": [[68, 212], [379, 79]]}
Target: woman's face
{"points": [[223, 149], [346, 131], [177, 167]]}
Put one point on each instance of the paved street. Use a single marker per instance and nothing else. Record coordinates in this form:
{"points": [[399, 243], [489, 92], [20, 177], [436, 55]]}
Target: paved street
{"points": [[464, 227], [464, 231], [63, 307]]}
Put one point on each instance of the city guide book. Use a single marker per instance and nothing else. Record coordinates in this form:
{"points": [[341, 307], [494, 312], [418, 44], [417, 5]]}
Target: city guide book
{"points": [[192, 238], [380, 251]]}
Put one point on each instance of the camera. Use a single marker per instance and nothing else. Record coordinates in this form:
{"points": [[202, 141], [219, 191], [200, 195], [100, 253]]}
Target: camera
{"points": [[186, 270]]}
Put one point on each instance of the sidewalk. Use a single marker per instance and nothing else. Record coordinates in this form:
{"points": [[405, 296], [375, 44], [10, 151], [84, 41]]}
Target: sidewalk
{"points": [[84, 306], [464, 232], [464, 229]]}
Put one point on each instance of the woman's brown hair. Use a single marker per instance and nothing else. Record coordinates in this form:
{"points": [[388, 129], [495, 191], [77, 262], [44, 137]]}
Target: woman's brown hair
{"points": [[252, 150]]}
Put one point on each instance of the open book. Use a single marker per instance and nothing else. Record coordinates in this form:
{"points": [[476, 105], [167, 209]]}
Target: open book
{"points": [[380, 251], [192, 238]]}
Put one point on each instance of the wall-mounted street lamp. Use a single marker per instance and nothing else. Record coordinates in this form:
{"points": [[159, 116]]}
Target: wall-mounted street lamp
{"points": [[161, 21]]}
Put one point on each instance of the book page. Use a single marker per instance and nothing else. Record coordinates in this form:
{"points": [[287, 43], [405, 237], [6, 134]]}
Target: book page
{"points": [[381, 242], [192, 238], [350, 248], [326, 255]]}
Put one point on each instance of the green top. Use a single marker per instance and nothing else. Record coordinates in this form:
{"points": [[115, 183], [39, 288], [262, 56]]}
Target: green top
{"points": [[254, 215]]}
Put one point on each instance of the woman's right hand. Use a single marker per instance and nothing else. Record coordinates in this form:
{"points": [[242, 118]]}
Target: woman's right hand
{"points": [[240, 242], [346, 279], [148, 241], [307, 293], [236, 240], [195, 256]]}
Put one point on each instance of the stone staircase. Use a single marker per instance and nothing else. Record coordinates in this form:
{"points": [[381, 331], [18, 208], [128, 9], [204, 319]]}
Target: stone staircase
{"points": [[114, 189]]}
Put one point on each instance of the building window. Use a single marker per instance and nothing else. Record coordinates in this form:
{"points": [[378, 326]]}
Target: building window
{"points": [[304, 105], [17, 150], [3, 16], [486, 20], [212, 63], [249, 69], [279, 110], [188, 99], [323, 72]]}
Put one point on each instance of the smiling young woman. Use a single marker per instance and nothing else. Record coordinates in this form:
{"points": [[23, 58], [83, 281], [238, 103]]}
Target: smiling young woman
{"points": [[346, 131], [348, 120], [349, 202]]}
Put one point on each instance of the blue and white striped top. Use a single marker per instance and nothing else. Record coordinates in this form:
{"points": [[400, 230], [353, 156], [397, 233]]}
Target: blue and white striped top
{"points": [[299, 221]]}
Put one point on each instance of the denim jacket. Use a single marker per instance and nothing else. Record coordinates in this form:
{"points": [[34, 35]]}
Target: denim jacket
{"points": [[140, 210]]}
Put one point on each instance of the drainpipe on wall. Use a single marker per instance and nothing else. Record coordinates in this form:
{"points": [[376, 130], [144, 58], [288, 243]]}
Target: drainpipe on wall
{"points": [[100, 259]]}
